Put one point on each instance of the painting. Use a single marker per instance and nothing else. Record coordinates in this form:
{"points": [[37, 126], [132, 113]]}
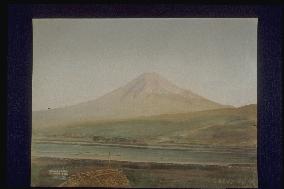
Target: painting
{"points": [[144, 103]]}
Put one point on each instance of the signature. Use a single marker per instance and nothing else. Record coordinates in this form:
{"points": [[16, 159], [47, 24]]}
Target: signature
{"points": [[60, 174]]}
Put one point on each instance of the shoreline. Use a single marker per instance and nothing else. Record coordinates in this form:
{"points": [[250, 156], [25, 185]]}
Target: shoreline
{"points": [[105, 161], [222, 149]]}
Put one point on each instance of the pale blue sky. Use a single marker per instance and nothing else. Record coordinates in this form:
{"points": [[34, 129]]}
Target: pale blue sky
{"points": [[75, 60]]}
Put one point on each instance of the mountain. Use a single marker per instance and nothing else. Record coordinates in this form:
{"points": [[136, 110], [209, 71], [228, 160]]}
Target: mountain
{"points": [[149, 94]]}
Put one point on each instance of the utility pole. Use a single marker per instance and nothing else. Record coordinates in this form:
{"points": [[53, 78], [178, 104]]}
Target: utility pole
{"points": [[109, 160]]}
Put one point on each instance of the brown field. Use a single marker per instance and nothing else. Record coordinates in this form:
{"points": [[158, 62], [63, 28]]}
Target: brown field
{"points": [[128, 174]]}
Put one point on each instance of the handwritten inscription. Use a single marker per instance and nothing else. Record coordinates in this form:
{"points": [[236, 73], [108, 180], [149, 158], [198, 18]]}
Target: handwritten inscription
{"points": [[60, 174]]}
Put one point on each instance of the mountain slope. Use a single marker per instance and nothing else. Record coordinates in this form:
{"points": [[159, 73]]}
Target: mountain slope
{"points": [[235, 127], [148, 94]]}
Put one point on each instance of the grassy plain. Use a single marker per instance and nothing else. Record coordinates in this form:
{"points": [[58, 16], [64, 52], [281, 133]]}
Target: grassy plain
{"points": [[223, 127]]}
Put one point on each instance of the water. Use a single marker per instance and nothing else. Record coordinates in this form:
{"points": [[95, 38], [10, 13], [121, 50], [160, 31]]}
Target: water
{"points": [[194, 155]]}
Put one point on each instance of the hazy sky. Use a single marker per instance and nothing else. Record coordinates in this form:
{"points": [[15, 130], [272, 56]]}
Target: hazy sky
{"points": [[75, 60]]}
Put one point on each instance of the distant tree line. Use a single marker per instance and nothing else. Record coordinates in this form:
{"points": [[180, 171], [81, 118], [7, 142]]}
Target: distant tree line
{"points": [[120, 140]]}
